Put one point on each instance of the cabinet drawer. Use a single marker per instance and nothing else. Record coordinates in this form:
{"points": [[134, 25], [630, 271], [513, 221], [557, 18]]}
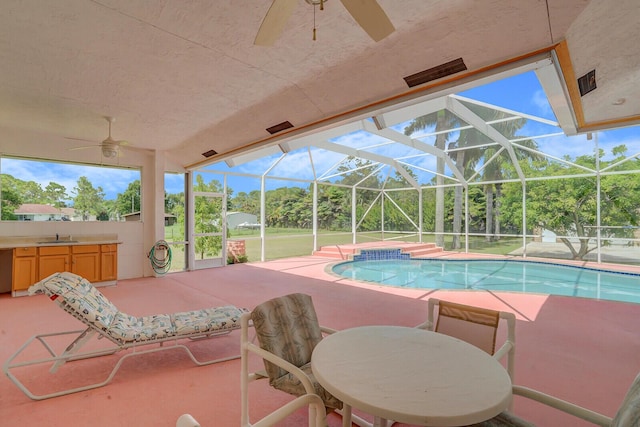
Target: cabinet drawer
{"points": [[53, 250], [85, 249], [25, 251], [108, 248]]}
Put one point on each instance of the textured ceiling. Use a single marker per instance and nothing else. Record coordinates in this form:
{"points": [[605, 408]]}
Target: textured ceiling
{"points": [[184, 76]]}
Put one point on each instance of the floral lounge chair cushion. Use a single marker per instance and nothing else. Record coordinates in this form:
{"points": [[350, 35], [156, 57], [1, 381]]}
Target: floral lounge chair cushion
{"points": [[79, 297]]}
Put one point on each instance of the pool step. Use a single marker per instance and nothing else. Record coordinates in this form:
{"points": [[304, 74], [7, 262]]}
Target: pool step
{"points": [[425, 252], [415, 250]]}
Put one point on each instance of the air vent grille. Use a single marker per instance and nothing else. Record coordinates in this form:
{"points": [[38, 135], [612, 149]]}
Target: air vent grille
{"points": [[436, 73], [279, 127]]}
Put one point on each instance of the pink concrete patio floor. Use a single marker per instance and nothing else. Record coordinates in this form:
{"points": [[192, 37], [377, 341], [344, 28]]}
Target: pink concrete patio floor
{"points": [[582, 350]]}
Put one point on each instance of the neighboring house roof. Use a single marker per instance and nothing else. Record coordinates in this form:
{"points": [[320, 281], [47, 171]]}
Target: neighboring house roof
{"points": [[33, 208]]}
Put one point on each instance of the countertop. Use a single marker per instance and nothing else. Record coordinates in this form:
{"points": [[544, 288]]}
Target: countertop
{"points": [[12, 242]]}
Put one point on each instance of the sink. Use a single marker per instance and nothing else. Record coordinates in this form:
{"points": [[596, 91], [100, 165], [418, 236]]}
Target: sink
{"points": [[56, 242]]}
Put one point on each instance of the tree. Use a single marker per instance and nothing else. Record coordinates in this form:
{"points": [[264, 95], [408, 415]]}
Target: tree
{"points": [[129, 200], [568, 205], [442, 120], [31, 192], [334, 207], [208, 218], [360, 173], [465, 159], [247, 203], [87, 200], [174, 203], [11, 199], [400, 205], [494, 172], [55, 195], [288, 207]]}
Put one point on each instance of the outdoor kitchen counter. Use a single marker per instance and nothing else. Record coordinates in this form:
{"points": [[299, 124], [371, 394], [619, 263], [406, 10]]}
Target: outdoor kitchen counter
{"points": [[64, 240]]}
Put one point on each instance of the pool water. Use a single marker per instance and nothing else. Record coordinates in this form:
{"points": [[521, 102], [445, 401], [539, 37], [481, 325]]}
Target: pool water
{"points": [[496, 275]]}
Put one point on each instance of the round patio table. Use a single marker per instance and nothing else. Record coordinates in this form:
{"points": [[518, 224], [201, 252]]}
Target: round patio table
{"points": [[412, 376]]}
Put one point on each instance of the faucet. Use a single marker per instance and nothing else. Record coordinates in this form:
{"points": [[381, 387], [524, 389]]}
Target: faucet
{"points": [[57, 237]]}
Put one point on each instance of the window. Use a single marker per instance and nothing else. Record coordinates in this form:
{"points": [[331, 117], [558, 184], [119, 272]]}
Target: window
{"points": [[41, 190]]}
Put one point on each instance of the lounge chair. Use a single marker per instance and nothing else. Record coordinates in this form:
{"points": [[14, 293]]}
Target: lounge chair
{"points": [[82, 300]]}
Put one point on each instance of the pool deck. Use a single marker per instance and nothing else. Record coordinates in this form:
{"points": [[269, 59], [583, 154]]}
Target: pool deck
{"points": [[583, 350]]}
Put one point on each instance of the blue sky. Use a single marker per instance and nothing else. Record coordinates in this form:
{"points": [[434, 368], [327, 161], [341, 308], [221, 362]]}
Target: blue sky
{"points": [[521, 93], [112, 181]]}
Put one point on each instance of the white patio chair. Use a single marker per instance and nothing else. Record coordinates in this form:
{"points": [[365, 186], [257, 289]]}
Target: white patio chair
{"points": [[287, 330], [628, 414]]}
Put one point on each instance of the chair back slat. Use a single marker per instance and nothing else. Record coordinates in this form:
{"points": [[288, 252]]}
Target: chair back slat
{"points": [[475, 325]]}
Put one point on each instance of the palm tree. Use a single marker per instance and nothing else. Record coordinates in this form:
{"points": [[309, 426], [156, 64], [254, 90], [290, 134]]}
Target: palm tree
{"points": [[465, 159], [493, 172], [442, 120]]}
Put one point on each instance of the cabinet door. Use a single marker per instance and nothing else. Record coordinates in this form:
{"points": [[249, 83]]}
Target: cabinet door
{"points": [[108, 262], [86, 265], [49, 264], [24, 271]]}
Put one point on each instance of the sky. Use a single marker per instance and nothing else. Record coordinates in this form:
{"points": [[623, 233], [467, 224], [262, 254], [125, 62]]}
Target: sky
{"points": [[112, 180], [521, 93]]}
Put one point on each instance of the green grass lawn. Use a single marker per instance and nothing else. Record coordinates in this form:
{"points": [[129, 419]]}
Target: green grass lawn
{"points": [[292, 242]]}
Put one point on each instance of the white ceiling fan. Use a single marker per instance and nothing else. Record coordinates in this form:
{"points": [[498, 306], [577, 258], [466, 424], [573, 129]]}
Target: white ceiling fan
{"points": [[110, 147], [367, 13]]}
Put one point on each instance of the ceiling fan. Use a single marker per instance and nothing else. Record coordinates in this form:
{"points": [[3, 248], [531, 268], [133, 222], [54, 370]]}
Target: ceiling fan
{"points": [[110, 147], [367, 13]]}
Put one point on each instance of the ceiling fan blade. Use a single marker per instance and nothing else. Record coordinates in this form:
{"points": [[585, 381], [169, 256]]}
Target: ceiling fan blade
{"points": [[371, 17], [83, 148], [274, 22], [79, 139]]}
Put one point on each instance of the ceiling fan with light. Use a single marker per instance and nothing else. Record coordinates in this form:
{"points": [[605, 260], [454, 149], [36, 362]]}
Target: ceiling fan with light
{"points": [[110, 147], [367, 13]]}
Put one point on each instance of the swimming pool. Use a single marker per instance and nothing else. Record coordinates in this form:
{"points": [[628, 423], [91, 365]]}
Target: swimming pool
{"points": [[495, 275]]}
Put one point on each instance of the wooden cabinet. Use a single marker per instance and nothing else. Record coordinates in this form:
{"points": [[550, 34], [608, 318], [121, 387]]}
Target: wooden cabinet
{"points": [[108, 262], [23, 268], [52, 259], [96, 263], [85, 261]]}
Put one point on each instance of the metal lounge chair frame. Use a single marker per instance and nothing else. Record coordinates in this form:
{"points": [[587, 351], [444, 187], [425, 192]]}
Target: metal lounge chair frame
{"points": [[82, 300]]}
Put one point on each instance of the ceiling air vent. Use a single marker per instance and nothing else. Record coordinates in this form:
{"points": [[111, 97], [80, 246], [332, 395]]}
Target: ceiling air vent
{"points": [[436, 73], [209, 153], [587, 83], [279, 127]]}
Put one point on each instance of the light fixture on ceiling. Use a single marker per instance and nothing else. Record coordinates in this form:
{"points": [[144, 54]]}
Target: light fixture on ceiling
{"points": [[619, 101], [110, 151], [109, 147]]}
